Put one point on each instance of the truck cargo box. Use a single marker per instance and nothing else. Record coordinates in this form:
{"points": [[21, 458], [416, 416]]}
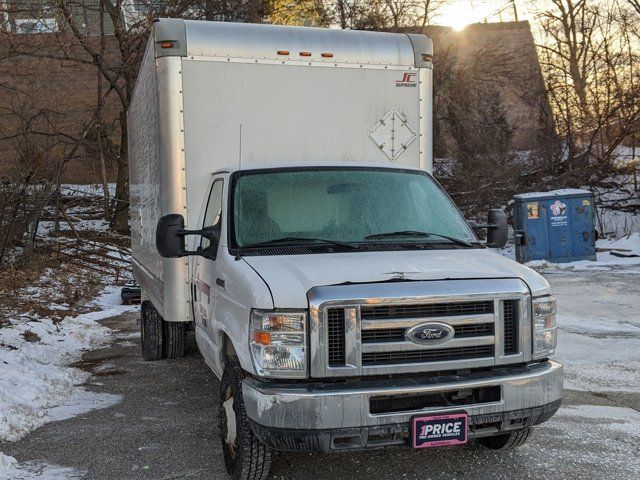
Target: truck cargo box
{"points": [[212, 96]]}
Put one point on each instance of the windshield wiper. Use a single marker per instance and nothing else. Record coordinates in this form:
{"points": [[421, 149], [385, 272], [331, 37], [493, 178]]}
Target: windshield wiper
{"points": [[415, 233], [275, 241]]}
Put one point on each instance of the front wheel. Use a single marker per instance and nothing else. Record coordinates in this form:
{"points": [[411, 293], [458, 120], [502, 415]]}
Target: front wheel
{"points": [[506, 441], [245, 457]]}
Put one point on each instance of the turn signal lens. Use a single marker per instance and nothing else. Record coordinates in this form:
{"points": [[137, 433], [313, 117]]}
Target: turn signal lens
{"points": [[263, 338]]}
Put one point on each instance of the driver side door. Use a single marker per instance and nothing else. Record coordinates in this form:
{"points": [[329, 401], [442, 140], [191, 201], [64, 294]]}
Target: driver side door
{"points": [[205, 271]]}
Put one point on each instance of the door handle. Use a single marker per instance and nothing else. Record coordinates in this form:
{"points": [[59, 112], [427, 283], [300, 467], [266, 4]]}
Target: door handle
{"points": [[221, 283]]}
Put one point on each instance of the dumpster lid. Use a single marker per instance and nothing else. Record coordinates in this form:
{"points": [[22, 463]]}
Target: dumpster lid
{"points": [[564, 192]]}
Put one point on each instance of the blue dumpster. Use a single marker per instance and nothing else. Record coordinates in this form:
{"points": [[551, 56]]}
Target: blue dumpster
{"points": [[557, 226]]}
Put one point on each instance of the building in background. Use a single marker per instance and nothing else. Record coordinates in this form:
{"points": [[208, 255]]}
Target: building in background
{"points": [[61, 84]]}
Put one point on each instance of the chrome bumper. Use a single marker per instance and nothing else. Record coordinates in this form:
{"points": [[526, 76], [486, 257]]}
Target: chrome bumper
{"points": [[346, 405]]}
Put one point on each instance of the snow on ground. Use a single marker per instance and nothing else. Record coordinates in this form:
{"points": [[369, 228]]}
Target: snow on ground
{"points": [[598, 316], [36, 384], [629, 244], [599, 334], [599, 329], [594, 437], [10, 469]]}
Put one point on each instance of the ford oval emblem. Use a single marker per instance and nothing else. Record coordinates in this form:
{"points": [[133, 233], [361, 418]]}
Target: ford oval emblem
{"points": [[430, 333]]}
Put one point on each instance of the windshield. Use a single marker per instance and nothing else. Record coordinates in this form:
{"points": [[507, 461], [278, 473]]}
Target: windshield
{"points": [[343, 205]]}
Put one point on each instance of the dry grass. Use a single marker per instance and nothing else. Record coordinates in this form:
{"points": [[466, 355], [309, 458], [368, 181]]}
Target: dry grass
{"points": [[45, 287]]}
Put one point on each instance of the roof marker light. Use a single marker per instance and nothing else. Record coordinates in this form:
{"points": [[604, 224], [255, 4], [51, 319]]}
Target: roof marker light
{"points": [[305, 54], [326, 55], [283, 52], [167, 44]]}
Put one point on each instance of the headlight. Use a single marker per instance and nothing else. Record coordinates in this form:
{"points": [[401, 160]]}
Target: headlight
{"points": [[544, 326], [278, 343]]}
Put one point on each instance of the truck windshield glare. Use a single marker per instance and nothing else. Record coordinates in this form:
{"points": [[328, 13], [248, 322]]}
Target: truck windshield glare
{"points": [[343, 205]]}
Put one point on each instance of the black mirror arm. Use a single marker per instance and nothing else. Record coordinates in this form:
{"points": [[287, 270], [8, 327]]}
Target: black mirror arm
{"points": [[485, 225], [184, 232]]}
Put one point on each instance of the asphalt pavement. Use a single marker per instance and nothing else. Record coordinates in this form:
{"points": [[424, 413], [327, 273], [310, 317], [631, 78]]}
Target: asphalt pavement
{"points": [[165, 428]]}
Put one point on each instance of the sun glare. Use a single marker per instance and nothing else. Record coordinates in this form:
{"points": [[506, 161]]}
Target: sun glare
{"points": [[459, 14]]}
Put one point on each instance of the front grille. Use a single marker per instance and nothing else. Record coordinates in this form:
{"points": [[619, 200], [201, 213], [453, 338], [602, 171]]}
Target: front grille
{"points": [[361, 337], [335, 337], [475, 330], [398, 334], [385, 335], [426, 310], [426, 356], [510, 309]]}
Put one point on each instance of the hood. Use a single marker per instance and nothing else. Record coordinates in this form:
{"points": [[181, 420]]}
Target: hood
{"points": [[290, 277]]}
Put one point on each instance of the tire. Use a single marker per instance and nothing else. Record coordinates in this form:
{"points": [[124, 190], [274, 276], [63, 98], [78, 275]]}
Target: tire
{"points": [[506, 441], [245, 457], [151, 332], [174, 335]]}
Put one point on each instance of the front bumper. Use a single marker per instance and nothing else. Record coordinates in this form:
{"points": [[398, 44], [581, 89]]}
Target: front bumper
{"points": [[337, 416]]}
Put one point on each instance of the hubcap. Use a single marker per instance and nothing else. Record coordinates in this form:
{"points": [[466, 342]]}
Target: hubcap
{"points": [[229, 422]]}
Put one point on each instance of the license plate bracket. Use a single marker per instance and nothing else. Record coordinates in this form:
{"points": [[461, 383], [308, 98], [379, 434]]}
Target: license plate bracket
{"points": [[439, 430]]}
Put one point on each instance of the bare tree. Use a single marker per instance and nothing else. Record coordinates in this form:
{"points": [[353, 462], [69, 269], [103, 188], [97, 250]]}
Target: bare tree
{"points": [[381, 14], [111, 37], [39, 149], [590, 59], [473, 139]]}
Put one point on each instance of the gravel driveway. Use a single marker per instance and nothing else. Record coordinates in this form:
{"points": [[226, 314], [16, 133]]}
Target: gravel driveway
{"points": [[165, 427]]}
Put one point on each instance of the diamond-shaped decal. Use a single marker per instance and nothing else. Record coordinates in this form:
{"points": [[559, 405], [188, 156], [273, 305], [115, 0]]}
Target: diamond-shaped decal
{"points": [[392, 134]]}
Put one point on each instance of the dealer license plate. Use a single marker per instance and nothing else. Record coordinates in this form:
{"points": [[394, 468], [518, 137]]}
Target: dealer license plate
{"points": [[439, 430]]}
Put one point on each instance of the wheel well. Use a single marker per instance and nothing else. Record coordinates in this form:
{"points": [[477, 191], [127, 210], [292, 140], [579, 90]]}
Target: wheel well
{"points": [[228, 350]]}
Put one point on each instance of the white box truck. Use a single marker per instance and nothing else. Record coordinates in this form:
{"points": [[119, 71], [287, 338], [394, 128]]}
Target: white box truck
{"points": [[282, 205]]}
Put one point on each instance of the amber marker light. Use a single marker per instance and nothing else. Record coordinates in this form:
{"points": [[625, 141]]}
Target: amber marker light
{"points": [[262, 338]]}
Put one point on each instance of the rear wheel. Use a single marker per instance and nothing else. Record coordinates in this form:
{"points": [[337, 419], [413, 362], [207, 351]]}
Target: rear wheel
{"points": [[245, 457], [151, 331], [174, 334], [506, 441]]}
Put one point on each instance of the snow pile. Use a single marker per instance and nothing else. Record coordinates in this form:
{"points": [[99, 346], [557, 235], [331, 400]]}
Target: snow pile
{"points": [[36, 383], [606, 259], [630, 242], [10, 469]]}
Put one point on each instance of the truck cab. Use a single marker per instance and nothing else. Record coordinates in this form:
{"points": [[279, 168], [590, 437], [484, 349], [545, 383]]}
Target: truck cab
{"points": [[333, 286]]}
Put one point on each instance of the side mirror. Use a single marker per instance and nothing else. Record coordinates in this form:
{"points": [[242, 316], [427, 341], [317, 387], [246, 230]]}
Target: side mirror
{"points": [[497, 228], [170, 236]]}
